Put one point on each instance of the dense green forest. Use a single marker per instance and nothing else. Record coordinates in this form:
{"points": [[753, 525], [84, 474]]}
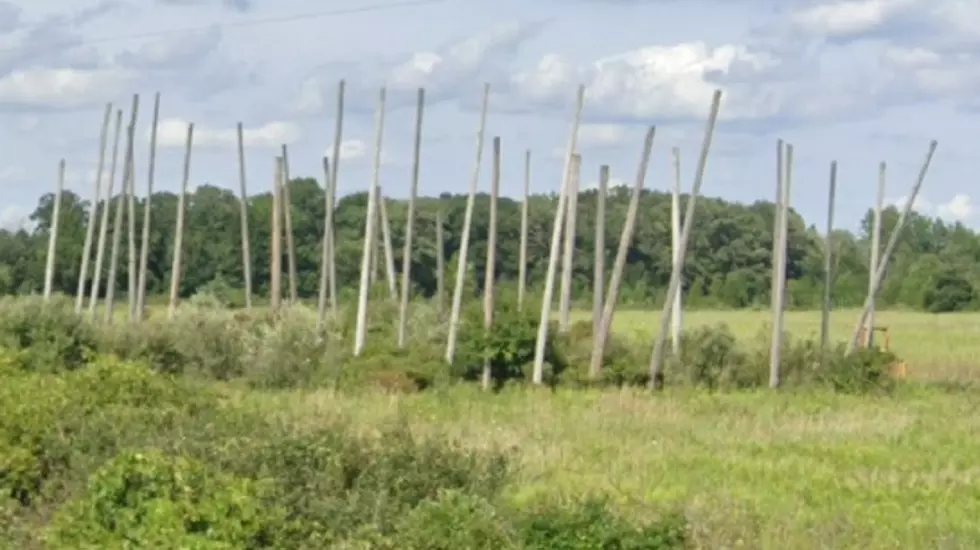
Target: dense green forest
{"points": [[936, 266]]}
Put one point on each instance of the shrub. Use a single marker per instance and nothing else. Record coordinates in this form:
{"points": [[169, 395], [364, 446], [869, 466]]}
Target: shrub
{"points": [[624, 361], [591, 524], [508, 346], [166, 502], [336, 485], [453, 520], [48, 335]]}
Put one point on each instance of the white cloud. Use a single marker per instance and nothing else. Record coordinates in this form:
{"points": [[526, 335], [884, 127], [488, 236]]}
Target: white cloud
{"points": [[350, 149], [653, 82], [173, 133], [172, 51], [959, 208], [596, 136], [62, 88], [15, 218], [356, 149], [602, 135], [443, 71], [848, 18], [920, 205]]}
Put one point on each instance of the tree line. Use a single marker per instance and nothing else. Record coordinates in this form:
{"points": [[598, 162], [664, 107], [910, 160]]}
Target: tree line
{"points": [[729, 263]]}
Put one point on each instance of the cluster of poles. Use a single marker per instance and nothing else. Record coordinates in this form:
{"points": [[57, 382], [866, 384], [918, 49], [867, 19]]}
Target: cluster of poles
{"points": [[562, 246]]}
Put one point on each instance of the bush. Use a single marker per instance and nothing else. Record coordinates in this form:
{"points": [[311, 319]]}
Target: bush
{"points": [[591, 524], [508, 346], [159, 501], [624, 361], [453, 520], [336, 485], [47, 334]]}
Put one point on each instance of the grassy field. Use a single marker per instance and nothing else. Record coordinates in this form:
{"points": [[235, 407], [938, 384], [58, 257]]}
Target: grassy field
{"points": [[752, 470], [936, 347], [759, 470]]}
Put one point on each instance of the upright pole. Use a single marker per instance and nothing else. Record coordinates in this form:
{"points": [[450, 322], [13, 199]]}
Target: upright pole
{"points": [[874, 257], [677, 317], [599, 262], [599, 339], [828, 265], [177, 264], [537, 376], [892, 243], [370, 227], [287, 210], [659, 348], [147, 210], [522, 260], [104, 223], [410, 223], [568, 254], [93, 212], [491, 268], [779, 273], [243, 218], [53, 232], [464, 246]]}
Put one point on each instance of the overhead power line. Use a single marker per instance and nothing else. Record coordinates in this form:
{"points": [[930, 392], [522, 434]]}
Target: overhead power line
{"points": [[383, 6]]}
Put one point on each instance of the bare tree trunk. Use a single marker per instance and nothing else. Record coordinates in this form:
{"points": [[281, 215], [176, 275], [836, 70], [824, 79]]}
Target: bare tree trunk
{"points": [[410, 223], [568, 255], [522, 261], [875, 254], [93, 212], [53, 232], [243, 218], [287, 209], [491, 268], [370, 226], [892, 243], [537, 376], [147, 210], [177, 265], [601, 336], [104, 224], [657, 357], [127, 189], [599, 263], [464, 246]]}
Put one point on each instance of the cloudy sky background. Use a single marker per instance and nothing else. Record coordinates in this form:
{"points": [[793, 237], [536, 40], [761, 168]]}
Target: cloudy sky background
{"points": [[858, 81]]}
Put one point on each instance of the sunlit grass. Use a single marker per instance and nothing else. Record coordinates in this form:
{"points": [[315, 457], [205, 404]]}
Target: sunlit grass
{"points": [[751, 470]]}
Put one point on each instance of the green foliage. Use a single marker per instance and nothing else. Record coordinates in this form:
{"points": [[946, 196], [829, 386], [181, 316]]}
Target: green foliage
{"points": [[508, 346], [453, 520], [166, 502], [729, 262], [592, 524], [48, 335]]}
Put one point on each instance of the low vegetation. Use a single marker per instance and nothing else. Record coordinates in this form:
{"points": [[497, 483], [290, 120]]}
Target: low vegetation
{"points": [[223, 429]]}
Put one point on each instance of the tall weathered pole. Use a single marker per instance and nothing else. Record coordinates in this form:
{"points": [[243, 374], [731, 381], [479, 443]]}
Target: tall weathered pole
{"points": [[93, 211]]}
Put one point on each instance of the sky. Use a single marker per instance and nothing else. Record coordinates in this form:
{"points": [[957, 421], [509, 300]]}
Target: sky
{"points": [[858, 82]]}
